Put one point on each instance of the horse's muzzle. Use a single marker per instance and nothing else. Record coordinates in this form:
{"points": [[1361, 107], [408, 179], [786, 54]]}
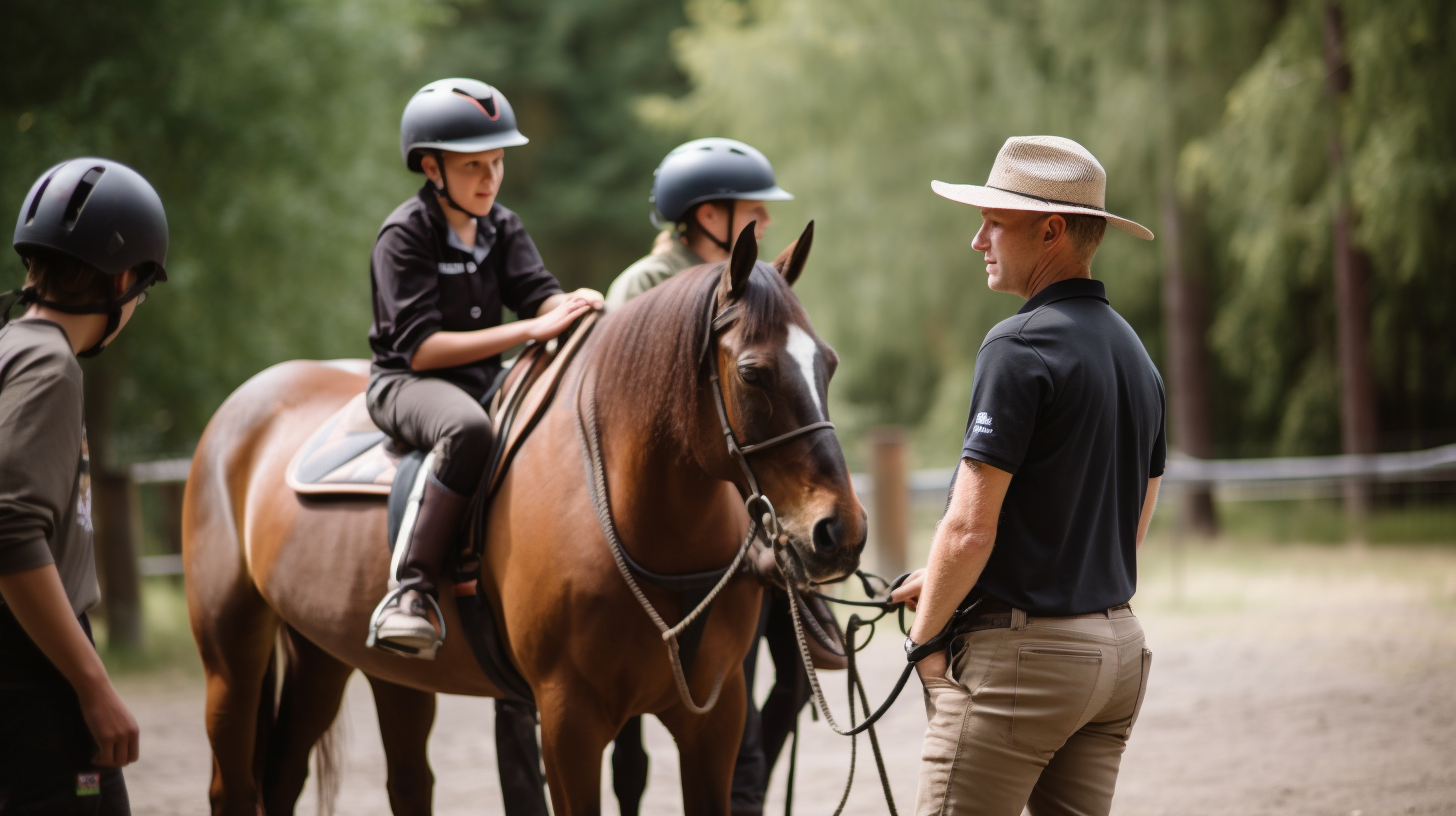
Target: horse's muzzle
{"points": [[836, 544]]}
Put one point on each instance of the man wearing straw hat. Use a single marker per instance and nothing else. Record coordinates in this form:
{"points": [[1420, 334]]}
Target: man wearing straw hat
{"points": [[1032, 567]]}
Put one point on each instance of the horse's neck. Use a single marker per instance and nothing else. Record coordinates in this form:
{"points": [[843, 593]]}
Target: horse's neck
{"points": [[670, 513]]}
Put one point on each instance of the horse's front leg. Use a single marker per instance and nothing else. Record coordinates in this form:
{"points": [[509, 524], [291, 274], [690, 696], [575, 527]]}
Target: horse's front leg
{"points": [[575, 730], [708, 745]]}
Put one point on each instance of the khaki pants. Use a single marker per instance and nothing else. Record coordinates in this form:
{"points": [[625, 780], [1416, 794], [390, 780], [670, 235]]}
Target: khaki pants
{"points": [[1036, 715]]}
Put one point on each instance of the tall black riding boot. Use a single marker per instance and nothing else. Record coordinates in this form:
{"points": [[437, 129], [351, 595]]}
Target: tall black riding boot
{"points": [[404, 625]]}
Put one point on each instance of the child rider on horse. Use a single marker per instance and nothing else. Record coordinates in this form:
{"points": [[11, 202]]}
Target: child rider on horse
{"points": [[445, 263]]}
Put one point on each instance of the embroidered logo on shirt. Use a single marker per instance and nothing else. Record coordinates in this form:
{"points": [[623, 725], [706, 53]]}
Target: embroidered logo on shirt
{"points": [[454, 268], [982, 424], [88, 784]]}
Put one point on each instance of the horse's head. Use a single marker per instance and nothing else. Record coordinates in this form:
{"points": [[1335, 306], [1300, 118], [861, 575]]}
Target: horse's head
{"points": [[774, 373]]}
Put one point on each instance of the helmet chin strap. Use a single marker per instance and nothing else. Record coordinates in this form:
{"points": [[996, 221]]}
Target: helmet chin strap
{"points": [[443, 188], [726, 246], [111, 308]]}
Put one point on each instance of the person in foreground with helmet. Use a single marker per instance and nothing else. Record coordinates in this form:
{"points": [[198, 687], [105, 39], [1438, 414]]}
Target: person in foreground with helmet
{"points": [[93, 236], [704, 192], [445, 263], [1033, 663]]}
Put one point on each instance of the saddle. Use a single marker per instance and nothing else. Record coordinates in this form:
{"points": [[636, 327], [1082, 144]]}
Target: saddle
{"points": [[349, 456]]}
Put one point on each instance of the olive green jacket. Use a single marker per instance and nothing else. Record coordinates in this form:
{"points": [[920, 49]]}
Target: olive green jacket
{"points": [[649, 272]]}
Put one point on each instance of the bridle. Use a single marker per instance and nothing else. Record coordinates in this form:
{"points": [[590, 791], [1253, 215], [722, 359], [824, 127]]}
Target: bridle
{"points": [[763, 522], [717, 324]]}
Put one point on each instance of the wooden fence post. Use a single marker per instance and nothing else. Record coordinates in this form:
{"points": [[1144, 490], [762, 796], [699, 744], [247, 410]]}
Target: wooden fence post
{"points": [[172, 515], [117, 522], [891, 500]]}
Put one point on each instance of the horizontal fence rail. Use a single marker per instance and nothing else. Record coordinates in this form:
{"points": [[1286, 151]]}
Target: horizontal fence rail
{"points": [[1434, 464], [1248, 478]]}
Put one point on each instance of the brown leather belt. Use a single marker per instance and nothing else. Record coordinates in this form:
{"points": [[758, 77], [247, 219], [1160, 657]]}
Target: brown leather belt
{"points": [[993, 613]]}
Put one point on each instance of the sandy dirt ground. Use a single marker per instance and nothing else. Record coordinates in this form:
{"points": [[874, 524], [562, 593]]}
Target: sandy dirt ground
{"points": [[1286, 680]]}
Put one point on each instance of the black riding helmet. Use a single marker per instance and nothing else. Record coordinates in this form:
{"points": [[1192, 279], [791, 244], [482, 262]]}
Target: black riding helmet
{"points": [[711, 169], [103, 214], [456, 116]]}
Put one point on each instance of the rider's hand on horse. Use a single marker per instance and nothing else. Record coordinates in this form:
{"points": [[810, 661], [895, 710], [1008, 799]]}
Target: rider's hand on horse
{"points": [[908, 593], [591, 296], [118, 738], [556, 321]]}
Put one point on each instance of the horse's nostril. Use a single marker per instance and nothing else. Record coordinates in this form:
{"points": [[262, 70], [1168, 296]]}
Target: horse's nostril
{"points": [[827, 532]]}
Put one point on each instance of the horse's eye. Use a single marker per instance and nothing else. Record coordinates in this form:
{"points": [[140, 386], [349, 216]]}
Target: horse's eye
{"points": [[753, 375]]}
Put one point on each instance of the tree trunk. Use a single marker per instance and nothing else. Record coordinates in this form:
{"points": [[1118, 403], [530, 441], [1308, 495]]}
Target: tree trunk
{"points": [[1185, 302], [1352, 306]]}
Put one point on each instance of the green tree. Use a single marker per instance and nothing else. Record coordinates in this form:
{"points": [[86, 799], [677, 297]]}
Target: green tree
{"points": [[861, 103], [268, 128], [573, 70], [1268, 176]]}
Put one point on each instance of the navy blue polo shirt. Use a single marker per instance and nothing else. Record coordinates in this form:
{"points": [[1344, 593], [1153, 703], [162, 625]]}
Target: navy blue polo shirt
{"points": [[1067, 400]]}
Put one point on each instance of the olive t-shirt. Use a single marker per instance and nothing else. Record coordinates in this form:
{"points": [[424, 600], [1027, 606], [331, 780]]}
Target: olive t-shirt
{"points": [[45, 481], [650, 271]]}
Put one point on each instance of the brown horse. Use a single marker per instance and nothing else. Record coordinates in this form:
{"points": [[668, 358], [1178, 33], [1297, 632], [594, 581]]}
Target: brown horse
{"points": [[261, 559]]}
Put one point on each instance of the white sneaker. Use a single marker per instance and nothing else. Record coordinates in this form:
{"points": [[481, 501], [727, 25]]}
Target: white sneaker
{"points": [[404, 626]]}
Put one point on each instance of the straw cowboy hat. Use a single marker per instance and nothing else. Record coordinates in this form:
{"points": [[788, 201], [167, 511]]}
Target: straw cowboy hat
{"points": [[1043, 174]]}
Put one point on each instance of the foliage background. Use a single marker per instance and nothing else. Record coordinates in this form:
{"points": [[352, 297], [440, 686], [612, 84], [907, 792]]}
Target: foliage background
{"points": [[270, 129]]}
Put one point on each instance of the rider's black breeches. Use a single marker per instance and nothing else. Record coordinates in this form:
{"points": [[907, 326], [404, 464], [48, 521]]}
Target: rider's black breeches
{"points": [[431, 414]]}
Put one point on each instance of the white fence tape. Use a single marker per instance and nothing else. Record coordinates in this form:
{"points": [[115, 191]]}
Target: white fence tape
{"points": [[1435, 464]]}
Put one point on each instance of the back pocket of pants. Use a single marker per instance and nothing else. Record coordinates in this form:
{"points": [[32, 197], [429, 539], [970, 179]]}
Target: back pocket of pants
{"points": [[1054, 685]]}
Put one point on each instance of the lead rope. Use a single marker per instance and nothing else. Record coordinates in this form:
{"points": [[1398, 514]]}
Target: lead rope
{"points": [[855, 684], [597, 483]]}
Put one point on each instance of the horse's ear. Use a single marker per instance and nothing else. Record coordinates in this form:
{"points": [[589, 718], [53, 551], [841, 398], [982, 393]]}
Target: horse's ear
{"points": [[740, 266], [790, 262]]}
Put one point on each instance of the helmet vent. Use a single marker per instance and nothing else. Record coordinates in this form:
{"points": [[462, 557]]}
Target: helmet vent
{"points": [[736, 150], [487, 104], [81, 196], [39, 194]]}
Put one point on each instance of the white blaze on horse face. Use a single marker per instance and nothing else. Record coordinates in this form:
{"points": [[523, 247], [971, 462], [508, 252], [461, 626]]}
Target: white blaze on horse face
{"points": [[805, 351]]}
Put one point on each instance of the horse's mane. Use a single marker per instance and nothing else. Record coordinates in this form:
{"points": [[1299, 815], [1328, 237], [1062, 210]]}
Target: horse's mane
{"points": [[650, 350]]}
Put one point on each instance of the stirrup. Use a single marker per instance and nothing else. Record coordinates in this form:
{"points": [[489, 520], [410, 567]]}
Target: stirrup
{"points": [[374, 642]]}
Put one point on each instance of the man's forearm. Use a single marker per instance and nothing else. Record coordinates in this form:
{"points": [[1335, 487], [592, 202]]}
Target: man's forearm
{"points": [[961, 547], [957, 557], [38, 601]]}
